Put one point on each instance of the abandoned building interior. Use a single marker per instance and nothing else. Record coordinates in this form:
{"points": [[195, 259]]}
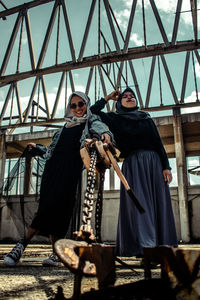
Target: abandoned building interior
{"points": [[102, 57]]}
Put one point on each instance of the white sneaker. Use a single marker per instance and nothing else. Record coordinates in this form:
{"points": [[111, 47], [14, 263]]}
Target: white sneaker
{"points": [[13, 257], [53, 260]]}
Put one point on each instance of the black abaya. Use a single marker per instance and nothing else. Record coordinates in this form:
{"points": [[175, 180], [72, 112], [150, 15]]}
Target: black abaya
{"points": [[58, 194]]}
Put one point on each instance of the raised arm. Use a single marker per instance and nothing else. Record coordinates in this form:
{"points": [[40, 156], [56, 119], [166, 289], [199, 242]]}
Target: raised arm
{"points": [[37, 149], [45, 151], [100, 104]]}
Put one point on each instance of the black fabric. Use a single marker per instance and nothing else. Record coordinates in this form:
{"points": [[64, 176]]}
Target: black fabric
{"points": [[59, 194], [135, 201], [130, 134], [156, 226]]}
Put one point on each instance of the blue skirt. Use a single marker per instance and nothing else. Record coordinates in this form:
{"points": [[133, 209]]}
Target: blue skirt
{"points": [[143, 171]]}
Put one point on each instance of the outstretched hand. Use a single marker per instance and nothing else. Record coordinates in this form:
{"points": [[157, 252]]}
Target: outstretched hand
{"points": [[167, 176], [105, 138], [31, 146], [113, 96]]}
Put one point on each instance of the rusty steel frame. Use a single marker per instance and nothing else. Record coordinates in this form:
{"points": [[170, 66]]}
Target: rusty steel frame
{"points": [[110, 59]]}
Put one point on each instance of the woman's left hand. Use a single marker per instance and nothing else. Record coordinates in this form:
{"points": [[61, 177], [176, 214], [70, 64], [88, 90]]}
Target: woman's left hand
{"points": [[105, 138], [167, 176]]}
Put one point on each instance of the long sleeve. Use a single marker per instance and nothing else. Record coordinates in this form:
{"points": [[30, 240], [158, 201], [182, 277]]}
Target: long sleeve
{"points": [[46, 152], [98, 106], [105, 117], [40, 150], [160, 148], [95, 127]]}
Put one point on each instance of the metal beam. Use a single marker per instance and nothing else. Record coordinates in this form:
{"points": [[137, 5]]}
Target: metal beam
{"points": [[136, 84], [30, 42], [159, 22], [169, 79], [87, 30], [185, 74], [62, 120], [150, 81], [48, 34], [71, 45], [176, 22], [193, 4], [132, 53], [16, 9], [11, 44], [106, 4], [58, 95]]}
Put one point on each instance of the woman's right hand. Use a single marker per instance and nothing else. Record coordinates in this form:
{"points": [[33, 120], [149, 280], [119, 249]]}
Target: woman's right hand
{"points": [[113, 96], [167, 174], [31, 146]]}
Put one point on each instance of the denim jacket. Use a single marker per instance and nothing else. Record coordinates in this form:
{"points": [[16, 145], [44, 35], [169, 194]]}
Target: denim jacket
{"points": [[94, 126]]}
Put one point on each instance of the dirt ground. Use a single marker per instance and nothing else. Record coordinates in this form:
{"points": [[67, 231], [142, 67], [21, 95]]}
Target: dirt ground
{"points": [[30, 280]]}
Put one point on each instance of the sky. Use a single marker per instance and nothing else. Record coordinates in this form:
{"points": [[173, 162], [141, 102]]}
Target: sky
{"points": [[39, 18], [78, 13]]}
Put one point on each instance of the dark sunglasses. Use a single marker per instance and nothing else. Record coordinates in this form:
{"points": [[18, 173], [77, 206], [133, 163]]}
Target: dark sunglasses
{"points": [[80, 104]]}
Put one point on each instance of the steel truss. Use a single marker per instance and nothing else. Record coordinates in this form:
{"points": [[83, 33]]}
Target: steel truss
{"points": [[113, 65]]}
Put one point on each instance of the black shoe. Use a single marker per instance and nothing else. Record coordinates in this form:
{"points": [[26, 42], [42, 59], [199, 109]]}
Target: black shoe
{"points": [[53, 260], [13, 257], [152, 265]]}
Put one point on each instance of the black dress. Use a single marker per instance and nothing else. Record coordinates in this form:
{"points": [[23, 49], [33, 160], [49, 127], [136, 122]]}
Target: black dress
{"points": [[59, 186]]}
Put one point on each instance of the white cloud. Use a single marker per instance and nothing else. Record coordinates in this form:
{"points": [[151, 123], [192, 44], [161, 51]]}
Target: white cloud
{"points": [[168, 7], [122, 18], [189, 99], [197, 69], [135, 38], [51, 100], [192, 97]]}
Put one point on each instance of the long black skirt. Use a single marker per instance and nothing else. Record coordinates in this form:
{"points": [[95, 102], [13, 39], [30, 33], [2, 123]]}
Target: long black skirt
{"points": [[156, 226]]}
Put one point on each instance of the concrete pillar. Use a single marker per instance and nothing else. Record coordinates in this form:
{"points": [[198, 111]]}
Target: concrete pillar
{"points": [[112, 178], [181, 175], [2, 159]]}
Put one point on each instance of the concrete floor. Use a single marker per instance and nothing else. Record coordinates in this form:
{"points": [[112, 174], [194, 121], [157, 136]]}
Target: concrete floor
{"points": [[30, 280]]}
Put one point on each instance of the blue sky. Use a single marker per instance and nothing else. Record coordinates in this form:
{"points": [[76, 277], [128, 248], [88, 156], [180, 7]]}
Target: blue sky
{"points": [[78, 13]]}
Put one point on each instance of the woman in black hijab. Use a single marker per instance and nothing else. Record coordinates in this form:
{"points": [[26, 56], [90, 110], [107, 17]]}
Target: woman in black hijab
{"points": [[146, 168]]}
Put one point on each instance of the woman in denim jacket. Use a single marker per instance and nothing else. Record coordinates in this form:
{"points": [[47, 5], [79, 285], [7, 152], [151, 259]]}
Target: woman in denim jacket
{"points": [[61, 177]]}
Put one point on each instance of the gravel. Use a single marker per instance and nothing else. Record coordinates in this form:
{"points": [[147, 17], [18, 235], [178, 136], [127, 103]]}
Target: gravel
{"points": [[30, 280]]}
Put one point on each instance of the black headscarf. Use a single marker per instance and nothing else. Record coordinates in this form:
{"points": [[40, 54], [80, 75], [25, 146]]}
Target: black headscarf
{"points": [[130, 113]]}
